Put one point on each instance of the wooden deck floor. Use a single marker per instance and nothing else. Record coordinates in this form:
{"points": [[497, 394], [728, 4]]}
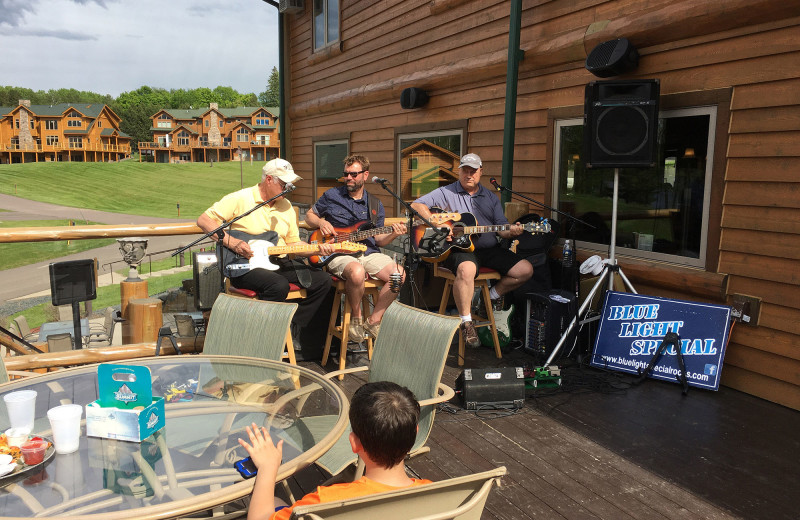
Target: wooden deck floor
{"points": [[601, 448]]}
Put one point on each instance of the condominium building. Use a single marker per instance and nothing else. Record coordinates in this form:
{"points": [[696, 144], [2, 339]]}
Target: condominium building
{"points": [[61, 132], [212, 134]]}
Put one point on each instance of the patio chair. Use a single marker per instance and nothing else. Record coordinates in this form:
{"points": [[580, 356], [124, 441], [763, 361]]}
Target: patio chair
{"points": [[25, 330], [461, 498], [411, 351], [105, 332], [59, 342], [246, 327]]}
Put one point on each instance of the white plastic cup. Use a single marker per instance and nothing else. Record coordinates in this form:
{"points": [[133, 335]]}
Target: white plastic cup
{"points": [[65, 421], [21, 407]]}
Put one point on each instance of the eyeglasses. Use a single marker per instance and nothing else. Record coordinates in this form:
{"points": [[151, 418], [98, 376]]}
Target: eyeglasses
{"points": [[353, 174]]}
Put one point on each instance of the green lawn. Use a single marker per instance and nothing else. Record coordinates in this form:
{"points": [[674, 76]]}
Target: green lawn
{"points": [[129, 186]]}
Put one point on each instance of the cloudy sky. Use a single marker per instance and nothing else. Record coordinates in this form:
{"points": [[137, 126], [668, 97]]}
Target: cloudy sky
{"points": [[114, 46]]}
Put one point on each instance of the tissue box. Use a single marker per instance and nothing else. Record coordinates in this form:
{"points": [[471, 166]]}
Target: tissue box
{"points": [[126, 409]]}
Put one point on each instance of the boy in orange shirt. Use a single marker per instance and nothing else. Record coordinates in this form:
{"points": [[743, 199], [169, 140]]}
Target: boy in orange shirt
{"points": [[383, 417]]}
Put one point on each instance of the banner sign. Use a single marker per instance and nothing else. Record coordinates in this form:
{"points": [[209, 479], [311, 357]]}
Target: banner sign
{"points": [[633, 327]]}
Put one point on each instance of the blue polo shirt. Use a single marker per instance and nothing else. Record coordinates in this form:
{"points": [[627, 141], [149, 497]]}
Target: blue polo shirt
{"points": [[484, 205], [341, 210]]}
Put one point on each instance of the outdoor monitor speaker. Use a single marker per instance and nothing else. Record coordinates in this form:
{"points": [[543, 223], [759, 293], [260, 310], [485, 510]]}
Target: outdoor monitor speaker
{"points": [[207, 279], [620, 123], [413, 98], [73, 281], [612, 58]]}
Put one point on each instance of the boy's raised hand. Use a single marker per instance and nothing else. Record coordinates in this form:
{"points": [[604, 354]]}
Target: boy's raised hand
{"points": [[265, 455]]}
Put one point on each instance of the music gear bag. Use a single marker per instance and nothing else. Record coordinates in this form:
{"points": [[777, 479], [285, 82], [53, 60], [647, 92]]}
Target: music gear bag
{"points": [[491, 388]]}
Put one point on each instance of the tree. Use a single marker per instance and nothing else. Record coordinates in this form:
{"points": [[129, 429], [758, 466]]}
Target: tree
{"points": [[271, 96]]}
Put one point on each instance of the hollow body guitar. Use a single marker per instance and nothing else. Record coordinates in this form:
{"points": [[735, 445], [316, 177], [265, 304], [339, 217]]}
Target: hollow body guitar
{"points": [[263, 247], [361, 231], [436, 248]]}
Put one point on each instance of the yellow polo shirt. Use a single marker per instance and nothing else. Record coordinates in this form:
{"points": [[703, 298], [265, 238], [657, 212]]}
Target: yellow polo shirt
{"points": [[280, 218]]}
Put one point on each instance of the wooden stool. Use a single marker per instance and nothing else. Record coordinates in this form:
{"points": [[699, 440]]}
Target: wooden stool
{"points": [[295, 293], [482, 282], [371, 287]]}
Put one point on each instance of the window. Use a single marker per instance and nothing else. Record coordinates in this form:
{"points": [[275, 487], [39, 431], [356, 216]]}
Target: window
{"points": [[76, 142], [14, 143], [329, 159], [99, 124], [31, 124], [183, 138], [74, 122], [263, 121], [326, 23], [51, 124], [263, 139], [428, 160], [207, 123], [51, 140], [662, 212], [16, 123], [242, 135], [220, 123]]}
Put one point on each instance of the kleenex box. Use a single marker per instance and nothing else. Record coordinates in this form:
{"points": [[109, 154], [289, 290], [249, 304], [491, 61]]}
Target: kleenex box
{"points": [[126, 409]]}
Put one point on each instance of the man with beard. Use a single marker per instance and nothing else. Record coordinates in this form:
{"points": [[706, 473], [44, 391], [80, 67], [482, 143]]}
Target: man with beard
{"points": [[345, 206]]}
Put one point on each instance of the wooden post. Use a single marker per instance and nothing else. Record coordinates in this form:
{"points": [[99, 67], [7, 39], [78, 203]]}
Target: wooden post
{"points": [[144, 319], [130, 291]]}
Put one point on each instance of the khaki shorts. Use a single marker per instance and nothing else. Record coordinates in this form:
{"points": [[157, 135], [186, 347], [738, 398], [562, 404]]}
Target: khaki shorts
{"points": [[372, 264]]}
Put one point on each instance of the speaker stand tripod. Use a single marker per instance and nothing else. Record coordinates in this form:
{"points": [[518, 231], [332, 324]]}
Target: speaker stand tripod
{"points": [[606, 275]]}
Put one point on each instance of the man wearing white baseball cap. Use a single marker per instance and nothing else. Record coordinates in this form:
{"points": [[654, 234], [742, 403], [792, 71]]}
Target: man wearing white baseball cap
{"points": [[276, 223], [468, 195]]}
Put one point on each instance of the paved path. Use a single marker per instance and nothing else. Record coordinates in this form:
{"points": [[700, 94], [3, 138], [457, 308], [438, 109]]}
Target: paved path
{"points": [[35, 278]]}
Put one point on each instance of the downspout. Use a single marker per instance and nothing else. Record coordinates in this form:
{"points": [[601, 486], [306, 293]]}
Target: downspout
{"points": [[281, 97], [515, 56]]}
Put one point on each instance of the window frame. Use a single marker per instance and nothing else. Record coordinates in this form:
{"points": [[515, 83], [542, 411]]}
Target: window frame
{"points": [[440, 128], [721, 99], [315, 45]]}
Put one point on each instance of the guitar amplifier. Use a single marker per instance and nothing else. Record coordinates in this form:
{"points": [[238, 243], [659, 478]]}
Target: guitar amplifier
{"points": [[207, 279], [549, 314], [491, 388]]}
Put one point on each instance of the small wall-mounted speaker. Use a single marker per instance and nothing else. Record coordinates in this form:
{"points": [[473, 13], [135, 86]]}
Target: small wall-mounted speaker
{"points": [[612, 58], [620, 123], [413, 97]]}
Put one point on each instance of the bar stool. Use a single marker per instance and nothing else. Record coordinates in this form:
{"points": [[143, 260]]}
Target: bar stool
{"points": [[371, 288], [295, 293], [482, 282]]}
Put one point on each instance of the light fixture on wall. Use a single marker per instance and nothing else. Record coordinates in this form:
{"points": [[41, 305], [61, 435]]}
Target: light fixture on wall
{"points": [[688, 153]]}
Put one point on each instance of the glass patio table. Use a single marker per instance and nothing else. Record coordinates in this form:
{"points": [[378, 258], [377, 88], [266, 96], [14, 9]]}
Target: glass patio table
{"points": [[187, 466]]}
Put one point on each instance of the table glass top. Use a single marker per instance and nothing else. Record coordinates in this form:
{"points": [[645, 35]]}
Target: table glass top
{"points": [[188, 465]]}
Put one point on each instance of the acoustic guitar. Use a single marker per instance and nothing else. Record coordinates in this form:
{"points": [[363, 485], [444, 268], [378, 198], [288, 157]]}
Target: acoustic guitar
{"points": [[362, 231], [436, 248], [263, 246]]}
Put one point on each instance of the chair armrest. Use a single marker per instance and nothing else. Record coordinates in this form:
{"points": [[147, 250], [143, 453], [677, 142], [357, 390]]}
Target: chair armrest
{"points": [[335, 373], [447, 394]]}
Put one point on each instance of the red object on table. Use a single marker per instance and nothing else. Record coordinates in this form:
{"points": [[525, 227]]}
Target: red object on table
{"points": [[33, 451]]}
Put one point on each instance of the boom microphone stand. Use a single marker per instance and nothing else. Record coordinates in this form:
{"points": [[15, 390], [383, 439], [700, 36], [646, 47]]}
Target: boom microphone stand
{"points": [[411, 258]]}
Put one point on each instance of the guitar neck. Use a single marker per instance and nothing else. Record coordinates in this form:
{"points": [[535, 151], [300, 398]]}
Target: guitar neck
{"points": [[358, 236], [469, 230], [284, 250]]}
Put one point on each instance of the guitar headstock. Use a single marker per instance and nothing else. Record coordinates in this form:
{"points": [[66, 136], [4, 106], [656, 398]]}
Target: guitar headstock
{"points": [[439, 218], [543, 226], [350, 247]]}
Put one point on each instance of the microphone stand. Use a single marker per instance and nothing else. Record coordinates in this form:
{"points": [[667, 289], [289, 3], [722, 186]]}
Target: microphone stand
{"points": [[411, 258], [221, 235]]}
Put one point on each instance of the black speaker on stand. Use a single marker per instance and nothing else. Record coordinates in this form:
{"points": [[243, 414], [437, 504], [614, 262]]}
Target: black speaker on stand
{"points": [[621, 123]]}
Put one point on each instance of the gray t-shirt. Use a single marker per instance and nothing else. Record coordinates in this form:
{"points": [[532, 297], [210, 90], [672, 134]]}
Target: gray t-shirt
{"points": [[484, 206]]}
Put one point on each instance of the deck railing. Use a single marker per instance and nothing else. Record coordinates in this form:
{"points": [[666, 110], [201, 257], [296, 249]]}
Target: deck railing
{"points": [[89, 147]]}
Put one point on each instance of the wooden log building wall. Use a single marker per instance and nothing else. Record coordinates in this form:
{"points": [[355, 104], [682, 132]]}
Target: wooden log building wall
{"points": [[741, 55]]}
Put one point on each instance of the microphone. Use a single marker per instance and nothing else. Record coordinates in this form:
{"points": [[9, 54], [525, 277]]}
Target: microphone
{"points": [[494, 183], [379, 180], [289, 187]]}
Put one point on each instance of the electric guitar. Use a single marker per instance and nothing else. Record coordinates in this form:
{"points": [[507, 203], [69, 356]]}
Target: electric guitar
{"points": [[436, 248], [362, 231], [263, 246], [502, 320]]}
